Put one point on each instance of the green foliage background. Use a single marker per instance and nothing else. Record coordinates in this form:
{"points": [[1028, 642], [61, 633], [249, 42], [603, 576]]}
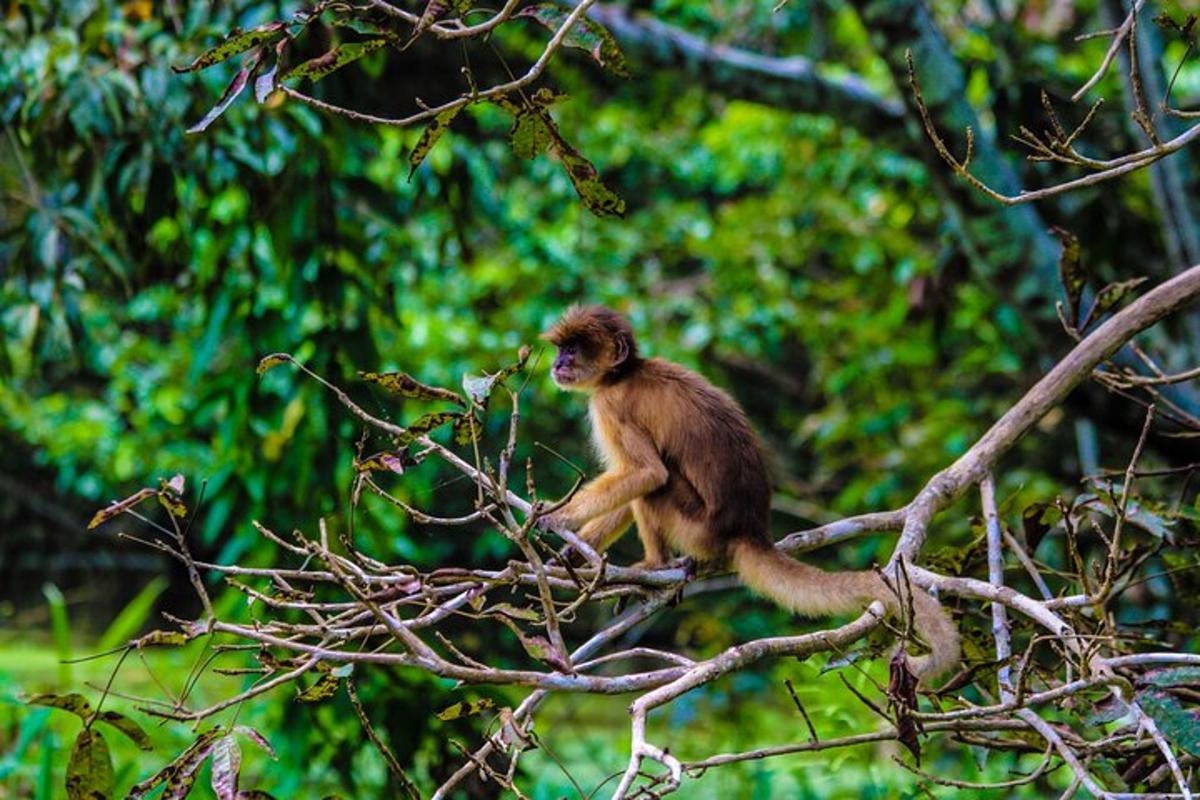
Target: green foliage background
{"points": [[810, 266]]}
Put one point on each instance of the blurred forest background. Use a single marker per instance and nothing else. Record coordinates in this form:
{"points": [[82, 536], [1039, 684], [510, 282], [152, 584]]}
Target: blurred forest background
{"points": [[789, 232]]}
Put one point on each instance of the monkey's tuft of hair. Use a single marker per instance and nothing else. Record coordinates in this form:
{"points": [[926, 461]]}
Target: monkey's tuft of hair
{"points": [[593, 325]]}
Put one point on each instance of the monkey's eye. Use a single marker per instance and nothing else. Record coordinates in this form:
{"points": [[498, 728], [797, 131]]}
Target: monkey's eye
{"points": [[570, 349]]}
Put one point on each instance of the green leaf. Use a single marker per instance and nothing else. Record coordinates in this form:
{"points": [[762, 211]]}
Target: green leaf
{"points": [[236, 42], [586, 34], [1172, 676], [317, 68], [323, 689], [1108, 298], [73, 702], [466, 708], [429, 137], [180, 775], [226, 765], [599, 199], [1181, 726], [530, 136], [128, 727], [90, 771], [406, 385]]}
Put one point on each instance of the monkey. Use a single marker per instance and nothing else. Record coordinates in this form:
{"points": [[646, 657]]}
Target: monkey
{"points": [[683, 463]]}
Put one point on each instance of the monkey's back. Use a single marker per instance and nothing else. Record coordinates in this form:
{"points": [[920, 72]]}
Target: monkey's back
{"points": [[708, 446]]}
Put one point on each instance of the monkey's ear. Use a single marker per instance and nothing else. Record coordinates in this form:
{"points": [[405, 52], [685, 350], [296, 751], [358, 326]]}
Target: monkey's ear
{"points": [[620, 350]]}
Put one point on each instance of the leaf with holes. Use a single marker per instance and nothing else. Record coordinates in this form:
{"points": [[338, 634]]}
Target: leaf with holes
{"points": [[226, 766], [237, 42], [317, 68], [90, 771], [406, 385], [249, 68], [466, 708], [599, 199], [179, 776], [429, 137], [427, 423], [323, 689], [1180, 725], [585, 34]]}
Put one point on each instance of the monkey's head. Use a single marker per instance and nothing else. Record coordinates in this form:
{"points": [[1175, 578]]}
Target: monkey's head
{"points": [[595, 345]]}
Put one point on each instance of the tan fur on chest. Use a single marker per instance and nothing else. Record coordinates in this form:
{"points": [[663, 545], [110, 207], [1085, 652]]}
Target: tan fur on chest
{"points": [[605, 435]]}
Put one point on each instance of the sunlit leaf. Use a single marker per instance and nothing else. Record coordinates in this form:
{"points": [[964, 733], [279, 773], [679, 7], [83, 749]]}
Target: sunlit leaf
{"points": [[466, 708], [272, 361], [90, 771], [323, 689], [120, 507], [317, 68], [237, 42]]}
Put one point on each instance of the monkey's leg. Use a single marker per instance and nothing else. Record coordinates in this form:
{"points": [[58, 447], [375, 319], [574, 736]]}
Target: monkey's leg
{"points": [[655, 549], [602, 531]]}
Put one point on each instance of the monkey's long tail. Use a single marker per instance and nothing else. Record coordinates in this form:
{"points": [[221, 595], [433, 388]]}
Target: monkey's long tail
{"points": [[812, 592]]}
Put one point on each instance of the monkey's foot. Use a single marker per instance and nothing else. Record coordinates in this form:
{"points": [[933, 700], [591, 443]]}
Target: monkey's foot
{"points": [[649, 563]]}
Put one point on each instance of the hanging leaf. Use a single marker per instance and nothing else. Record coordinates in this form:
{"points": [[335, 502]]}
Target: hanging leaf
{"points": [[323, 689], [180, 775], [128, 727], [599, 199], [237, 42], [253, 735], [120, 507], [231, 92], [586, 34], [1181, 726], [429, 137], [317, 68], [226, 764], [406, 385], [90, 771], [466, 708], [1070, 271]]}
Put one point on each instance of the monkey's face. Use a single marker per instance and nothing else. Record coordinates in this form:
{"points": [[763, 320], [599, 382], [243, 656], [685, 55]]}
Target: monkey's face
{"points": [[577, 367]]}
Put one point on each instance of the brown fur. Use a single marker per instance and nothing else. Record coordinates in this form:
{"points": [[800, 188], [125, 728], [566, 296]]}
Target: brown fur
{"points": [[683, 463]]}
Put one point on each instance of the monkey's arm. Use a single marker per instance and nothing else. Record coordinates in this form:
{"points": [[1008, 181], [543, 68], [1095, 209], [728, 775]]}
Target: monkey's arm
{"points": [[636, 471], [602, 531]]}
